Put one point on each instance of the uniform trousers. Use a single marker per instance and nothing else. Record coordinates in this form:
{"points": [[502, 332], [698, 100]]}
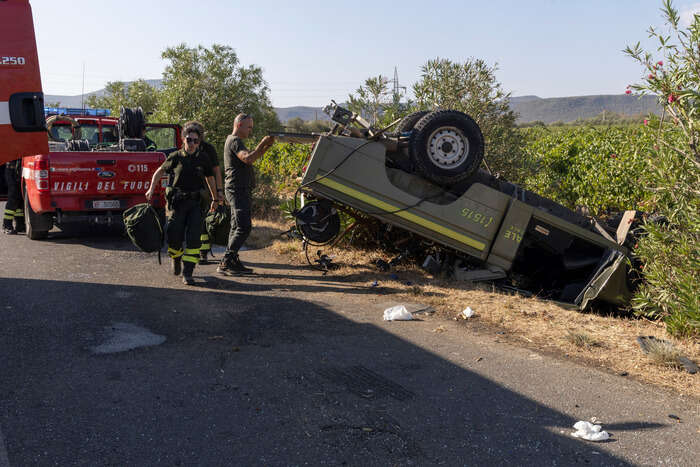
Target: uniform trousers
{"points": [[185, 224]]}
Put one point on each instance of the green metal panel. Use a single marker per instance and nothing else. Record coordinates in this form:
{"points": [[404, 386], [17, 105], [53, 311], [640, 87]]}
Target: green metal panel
{"points": [[510, 235], [360, 180]]}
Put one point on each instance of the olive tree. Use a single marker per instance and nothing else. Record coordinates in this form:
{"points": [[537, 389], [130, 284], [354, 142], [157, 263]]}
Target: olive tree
{"points": [[370, 98], [471, 87], [212, 86], [138, 93]]}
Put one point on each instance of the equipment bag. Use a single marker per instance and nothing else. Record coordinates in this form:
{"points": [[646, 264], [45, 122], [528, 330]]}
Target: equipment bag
{"points": [[144, 228], [218, 224]]}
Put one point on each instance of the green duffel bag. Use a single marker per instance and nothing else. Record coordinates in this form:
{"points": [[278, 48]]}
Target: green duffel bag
{"points": [[218, 225], [144, 228]]}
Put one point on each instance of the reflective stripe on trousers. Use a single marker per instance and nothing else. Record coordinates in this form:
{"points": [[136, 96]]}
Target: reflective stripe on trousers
{"points": [[173, 253], [191, 255], [205, 242]]}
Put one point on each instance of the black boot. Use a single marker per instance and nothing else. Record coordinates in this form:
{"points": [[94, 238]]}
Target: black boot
{"points": [[203, 254], [176, 265], [19, 225], [231, 265], [7, 227], [187, 271]]}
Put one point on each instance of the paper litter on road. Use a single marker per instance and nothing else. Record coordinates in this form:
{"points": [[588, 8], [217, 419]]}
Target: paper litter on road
{"points": [[467, 313], [589, 431], [397, 313]]}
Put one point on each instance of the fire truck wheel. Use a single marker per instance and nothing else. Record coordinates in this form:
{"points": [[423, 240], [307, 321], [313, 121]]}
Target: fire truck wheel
{"points": [[447, 146], [38, 225]]}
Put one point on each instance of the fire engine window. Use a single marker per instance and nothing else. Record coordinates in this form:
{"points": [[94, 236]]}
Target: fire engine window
{"points": [[90, 133], [61, 132], [109, 134], [163, 137]]}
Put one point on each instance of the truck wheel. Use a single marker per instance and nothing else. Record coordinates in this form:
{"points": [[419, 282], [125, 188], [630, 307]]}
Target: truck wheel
{"points": [[38, 225], [402, 159], [410, 120], [318, 221], [447, 146]]}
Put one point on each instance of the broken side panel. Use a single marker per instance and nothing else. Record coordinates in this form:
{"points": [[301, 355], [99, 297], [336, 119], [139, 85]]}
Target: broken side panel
{"points": [[566, 266]]}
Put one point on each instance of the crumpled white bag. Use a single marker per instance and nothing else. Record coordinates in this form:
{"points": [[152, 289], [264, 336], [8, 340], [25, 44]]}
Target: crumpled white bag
{"points": [[467, 313], [397, 313], [589, 431]]}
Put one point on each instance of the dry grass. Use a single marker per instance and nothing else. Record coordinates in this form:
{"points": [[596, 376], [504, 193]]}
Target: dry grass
{"points": [[580, 339], [604, 341], [664, 353]]}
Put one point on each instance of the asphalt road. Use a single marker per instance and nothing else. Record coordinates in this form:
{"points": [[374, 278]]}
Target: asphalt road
{"points": [[284, 368]]}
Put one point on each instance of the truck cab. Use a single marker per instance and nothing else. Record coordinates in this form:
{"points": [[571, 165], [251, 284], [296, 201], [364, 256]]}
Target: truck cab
{"points": [[22, 127]]}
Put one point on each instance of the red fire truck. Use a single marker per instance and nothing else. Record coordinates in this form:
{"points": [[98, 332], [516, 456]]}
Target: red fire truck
{"points": [[84, 168]]}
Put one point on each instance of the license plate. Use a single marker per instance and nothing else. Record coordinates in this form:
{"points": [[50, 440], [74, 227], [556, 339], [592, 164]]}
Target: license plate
{"points": [[106, 204]]}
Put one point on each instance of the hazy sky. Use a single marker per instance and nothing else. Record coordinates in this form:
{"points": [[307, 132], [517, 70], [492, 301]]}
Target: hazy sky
{"points": [[314, 51]]}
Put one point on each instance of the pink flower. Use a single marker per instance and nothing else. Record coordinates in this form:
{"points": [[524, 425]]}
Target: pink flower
{"points": [[628, 92], [651, 76], [646, 122], [672, 98], [613, 155], [660, 63]]}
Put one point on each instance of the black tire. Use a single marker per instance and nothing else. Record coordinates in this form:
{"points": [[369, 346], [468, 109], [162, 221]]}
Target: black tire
{"points": [[131, 121], [402, 159], [37, 225], [447, 146], [318, 221], [410, 120]]}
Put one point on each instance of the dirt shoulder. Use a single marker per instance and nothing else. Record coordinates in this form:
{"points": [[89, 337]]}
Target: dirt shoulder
{"points": [[607, 342]]}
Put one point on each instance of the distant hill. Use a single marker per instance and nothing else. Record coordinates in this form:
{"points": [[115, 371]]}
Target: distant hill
{"points": [[530, 108], [305, 113], [568, 109], [75, 101]]}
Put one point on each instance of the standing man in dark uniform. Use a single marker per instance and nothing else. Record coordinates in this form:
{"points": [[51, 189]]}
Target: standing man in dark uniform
{"points": [[188, 170], [240, 180], [210, 152], [14, 209]]}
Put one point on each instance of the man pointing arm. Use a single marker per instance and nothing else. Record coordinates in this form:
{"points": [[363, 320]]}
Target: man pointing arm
{"points": [[240, 180]]}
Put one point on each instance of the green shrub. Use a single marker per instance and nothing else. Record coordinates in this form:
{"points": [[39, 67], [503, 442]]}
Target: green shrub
{"points": [[670, 252]]}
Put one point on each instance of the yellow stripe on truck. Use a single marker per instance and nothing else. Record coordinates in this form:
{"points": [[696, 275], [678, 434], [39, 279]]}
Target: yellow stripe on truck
{"points": [[405, 214]]}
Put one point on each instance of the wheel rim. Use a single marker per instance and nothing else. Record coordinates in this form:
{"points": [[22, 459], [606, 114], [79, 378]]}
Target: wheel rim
{"points": [[447, 147]]}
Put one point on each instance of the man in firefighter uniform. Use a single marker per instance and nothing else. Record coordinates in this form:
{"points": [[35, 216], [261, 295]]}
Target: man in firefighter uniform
{"points": [[210, 152], [188, 170], [14, 209]]}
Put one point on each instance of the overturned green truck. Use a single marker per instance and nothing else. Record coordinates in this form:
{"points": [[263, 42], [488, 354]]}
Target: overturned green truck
{"points": [[424, 177]]}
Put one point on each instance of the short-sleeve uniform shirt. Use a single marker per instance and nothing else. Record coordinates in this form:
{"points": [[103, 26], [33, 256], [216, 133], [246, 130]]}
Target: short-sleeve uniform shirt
{"points": [[188, 170], [210, 151], [238, 173]]}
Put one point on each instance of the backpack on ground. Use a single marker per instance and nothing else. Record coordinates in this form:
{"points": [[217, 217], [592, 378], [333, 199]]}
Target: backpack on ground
{"points": [[144, 228], [218, 225]]}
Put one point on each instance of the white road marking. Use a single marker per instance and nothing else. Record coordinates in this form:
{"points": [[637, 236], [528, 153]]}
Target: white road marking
{"points": [[4, 460]]}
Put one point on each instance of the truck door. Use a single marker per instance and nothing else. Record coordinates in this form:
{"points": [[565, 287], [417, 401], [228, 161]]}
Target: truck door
{"points": [[22, 126]]}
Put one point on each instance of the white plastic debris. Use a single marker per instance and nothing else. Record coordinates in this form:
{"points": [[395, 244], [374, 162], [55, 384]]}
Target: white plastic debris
{"points": [[467, 313], [589, 431], [397, 313]]}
